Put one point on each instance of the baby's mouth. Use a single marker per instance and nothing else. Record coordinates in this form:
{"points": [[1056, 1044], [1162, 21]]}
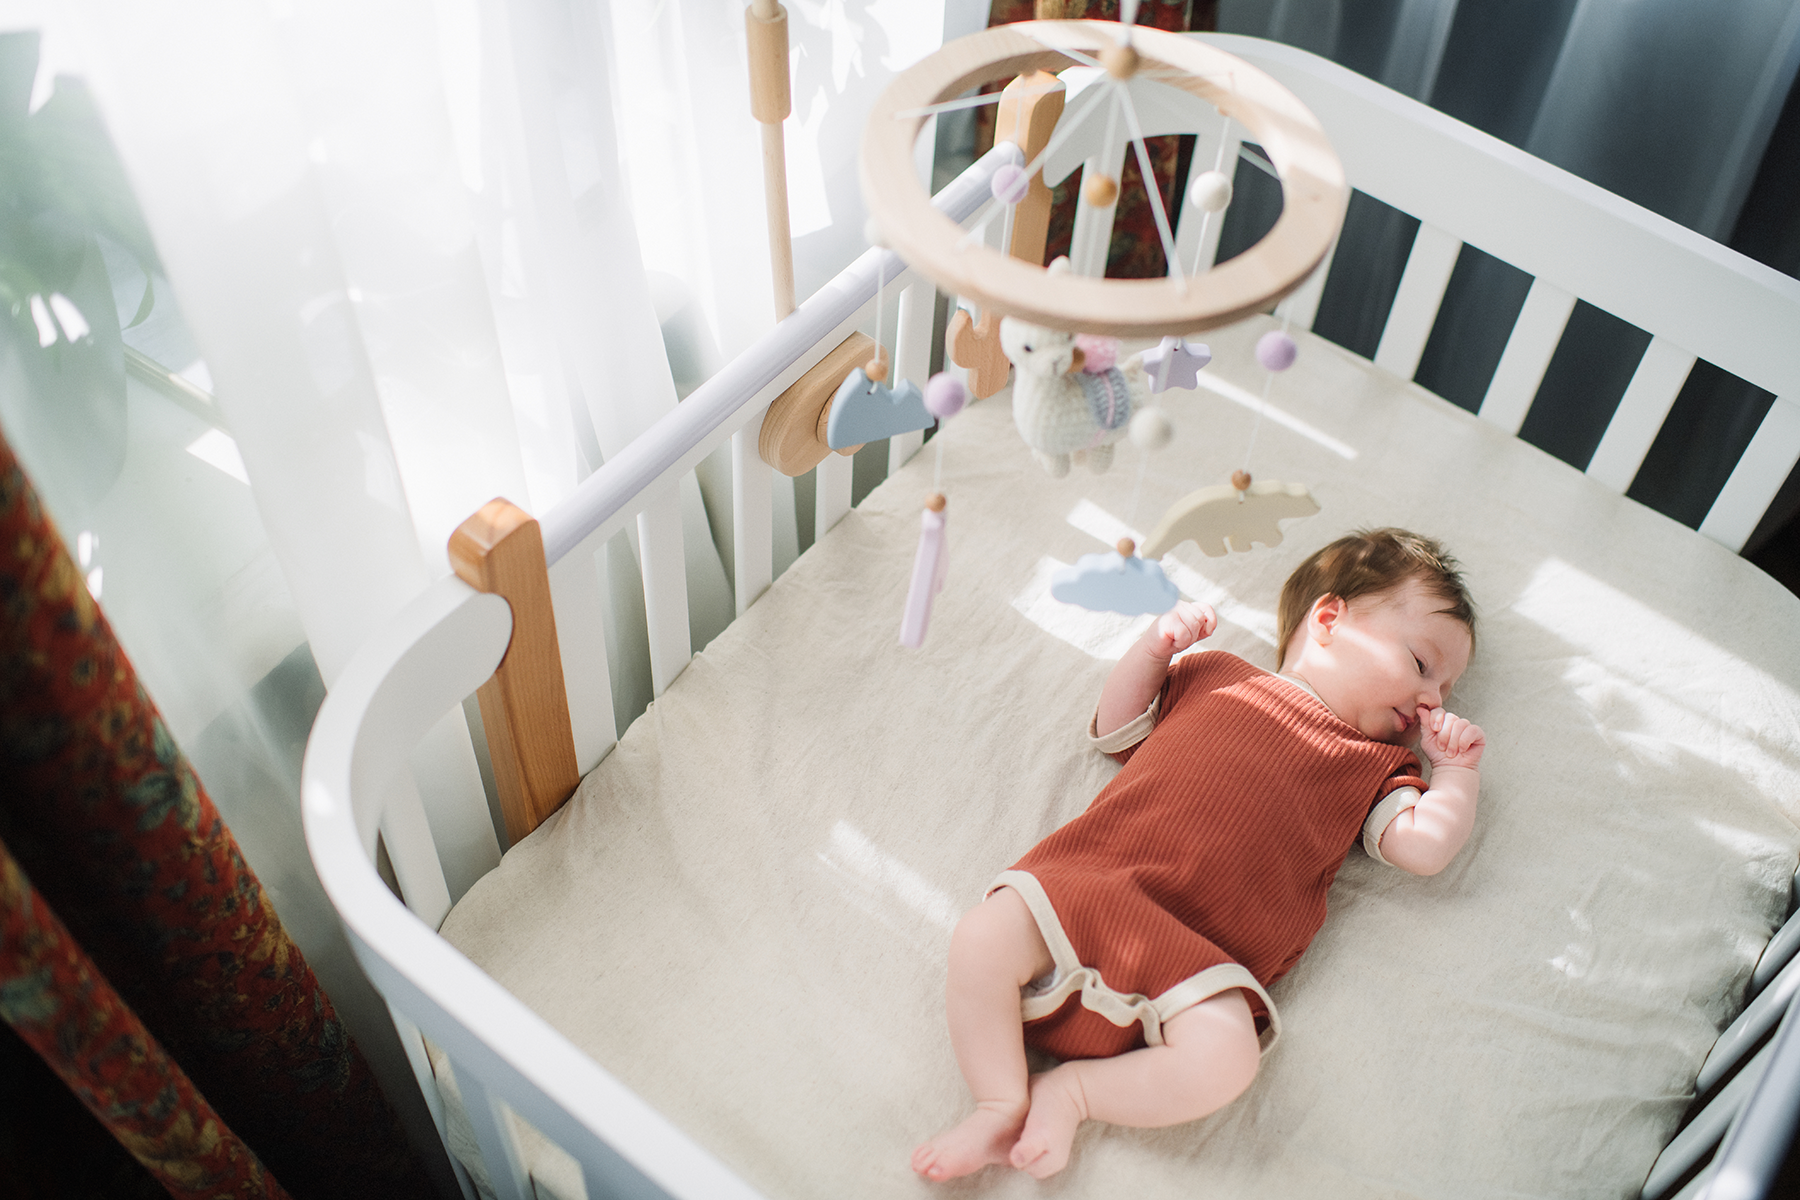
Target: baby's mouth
{"points": [[1406, 722]]}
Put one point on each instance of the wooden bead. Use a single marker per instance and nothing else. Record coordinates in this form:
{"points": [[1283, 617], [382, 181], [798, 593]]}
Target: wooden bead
{"points": [[1101, 191], [1126, 547], [1121, 62], [935, 502], [1240, 480], [876, 369]]}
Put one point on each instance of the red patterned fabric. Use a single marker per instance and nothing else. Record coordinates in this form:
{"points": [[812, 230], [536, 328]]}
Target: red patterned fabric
{"points": [[1136, 251], [66, 1011], [118, 835]]}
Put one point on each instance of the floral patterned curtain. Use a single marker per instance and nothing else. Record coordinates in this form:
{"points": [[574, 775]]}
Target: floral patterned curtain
{"points": [[138, 954]]}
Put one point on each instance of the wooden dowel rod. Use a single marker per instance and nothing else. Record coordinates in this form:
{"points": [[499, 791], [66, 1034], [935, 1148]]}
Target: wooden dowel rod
{"points": [[765, 29]]}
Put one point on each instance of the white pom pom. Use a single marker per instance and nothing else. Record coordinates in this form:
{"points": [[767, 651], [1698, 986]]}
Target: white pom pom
{"points": [[1151, 430], [1210, 191], [872, 234]]}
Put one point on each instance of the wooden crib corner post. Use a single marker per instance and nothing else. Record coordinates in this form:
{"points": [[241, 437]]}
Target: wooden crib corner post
{"points": [[524, 707]]}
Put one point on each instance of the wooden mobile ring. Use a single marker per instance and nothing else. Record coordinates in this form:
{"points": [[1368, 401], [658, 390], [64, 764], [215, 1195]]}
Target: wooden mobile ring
{"points": [[1312, 179]]}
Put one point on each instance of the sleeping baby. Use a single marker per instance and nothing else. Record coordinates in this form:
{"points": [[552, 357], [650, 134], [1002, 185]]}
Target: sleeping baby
{"points": [[1137, 942]]}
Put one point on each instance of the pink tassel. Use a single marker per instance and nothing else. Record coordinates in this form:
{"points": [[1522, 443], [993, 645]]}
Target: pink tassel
{"points": [[929, 565]]}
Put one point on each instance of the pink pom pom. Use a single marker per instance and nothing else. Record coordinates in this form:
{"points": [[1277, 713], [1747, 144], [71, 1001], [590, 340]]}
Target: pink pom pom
{"points": [[1098, 354], [945, 395], [1276, 350], [1010, 184]]}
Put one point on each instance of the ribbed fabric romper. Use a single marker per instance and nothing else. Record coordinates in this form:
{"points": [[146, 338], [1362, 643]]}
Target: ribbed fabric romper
{"points": [[1215, 844]]}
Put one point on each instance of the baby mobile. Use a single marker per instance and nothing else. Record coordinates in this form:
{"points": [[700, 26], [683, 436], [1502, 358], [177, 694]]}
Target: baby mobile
{"points": [[1073, 399]]}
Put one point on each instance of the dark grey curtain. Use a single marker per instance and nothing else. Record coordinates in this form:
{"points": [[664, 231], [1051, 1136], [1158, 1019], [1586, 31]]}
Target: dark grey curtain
{"points": [[1684, 108]]}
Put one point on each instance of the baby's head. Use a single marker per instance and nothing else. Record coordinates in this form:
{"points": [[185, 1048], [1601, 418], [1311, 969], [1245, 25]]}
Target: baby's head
{"points": [[1378, 623]]}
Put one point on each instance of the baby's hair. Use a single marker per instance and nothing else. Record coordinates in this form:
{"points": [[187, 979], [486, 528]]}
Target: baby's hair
{"points": [[1367, 563]]}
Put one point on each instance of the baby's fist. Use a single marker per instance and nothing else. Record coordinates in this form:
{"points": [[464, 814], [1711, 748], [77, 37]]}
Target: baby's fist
{"points": [[1448, 740], [1188, 622]]}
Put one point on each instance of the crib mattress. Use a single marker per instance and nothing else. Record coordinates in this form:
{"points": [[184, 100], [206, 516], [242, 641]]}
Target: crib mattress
{"points": [[743, 912]]}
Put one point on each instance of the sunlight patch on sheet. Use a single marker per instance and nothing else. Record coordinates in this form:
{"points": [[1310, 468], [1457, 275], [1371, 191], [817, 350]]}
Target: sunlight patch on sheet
{"points": [[1252, 401], [1105, 636], [1096, 522], [879, 876], [1633, 657]]}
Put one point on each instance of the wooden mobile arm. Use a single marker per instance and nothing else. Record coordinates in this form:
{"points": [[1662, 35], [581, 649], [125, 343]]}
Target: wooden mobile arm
{"points": [[524, 707], [771, 100]]}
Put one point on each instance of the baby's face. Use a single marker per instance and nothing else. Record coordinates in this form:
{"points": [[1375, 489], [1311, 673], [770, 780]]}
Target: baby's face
{"points": [[1377, 659]]}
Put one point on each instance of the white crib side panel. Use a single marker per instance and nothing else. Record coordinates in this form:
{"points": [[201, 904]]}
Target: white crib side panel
{"points": [[1758, 475], [1527, 355], [665, 586], [1646, 403], [1416, 303], [575, 593], [752, 518]]}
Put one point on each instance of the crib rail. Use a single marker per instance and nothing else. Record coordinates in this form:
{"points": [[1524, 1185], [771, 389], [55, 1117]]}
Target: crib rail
{"points": [[1698, 300], [1733, 1146]]}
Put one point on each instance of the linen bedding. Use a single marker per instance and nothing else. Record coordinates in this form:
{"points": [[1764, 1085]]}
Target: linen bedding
{"points": [[744, 910]]}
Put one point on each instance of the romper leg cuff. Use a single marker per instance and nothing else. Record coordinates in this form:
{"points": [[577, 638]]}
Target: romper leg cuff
{"points": [[1120, 1008]]}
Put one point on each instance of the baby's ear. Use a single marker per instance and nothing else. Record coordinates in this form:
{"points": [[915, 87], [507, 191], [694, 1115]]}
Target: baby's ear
{"points": [[1323, 617]]}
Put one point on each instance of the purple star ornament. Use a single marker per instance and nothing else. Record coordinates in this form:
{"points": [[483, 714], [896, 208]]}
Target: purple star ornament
{"points": [[1175, 364]]}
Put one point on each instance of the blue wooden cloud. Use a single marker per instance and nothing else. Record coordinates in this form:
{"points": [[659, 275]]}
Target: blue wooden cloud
{"points": [[1112, 583], [864, 411]]}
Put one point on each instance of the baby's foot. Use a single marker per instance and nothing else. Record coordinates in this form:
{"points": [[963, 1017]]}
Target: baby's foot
{"points": [[982, 1137], [1057, 1110]]}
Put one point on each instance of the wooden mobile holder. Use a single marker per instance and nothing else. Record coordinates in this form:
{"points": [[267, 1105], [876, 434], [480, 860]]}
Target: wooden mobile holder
{"points": [[524, 707], [1314, 190]]}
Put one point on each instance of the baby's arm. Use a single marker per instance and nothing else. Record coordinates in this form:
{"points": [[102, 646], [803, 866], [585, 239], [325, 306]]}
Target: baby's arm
{"points": [[1139, 675], [1423, 839]]}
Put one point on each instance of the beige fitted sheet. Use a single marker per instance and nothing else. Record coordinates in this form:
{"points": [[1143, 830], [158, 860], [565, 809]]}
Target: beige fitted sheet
{"points": [[743, 913]]}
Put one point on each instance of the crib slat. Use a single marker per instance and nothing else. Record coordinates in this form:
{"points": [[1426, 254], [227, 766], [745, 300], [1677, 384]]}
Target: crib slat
{"points": [[1092, 236], [664, 565], [912, 359], [1705, 1130], [1758, 1017], [1758, 475], [1776, 955], [752, 519], [1527, 356], [414, 1044], [493, 1137], [1301, 308], [1416, 303], [407, 836], [1197, 236], [831, 493], [1641, 412], [575, 589]]}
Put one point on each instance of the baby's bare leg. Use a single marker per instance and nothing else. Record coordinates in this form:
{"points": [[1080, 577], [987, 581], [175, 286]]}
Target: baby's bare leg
{"points": [[1208, 1057], [995, 951]]}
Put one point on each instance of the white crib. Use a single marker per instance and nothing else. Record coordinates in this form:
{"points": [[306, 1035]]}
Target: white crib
{"points": [[1697, 299]]}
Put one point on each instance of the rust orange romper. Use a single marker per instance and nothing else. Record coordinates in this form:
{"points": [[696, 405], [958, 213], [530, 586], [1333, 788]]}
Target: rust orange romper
{"points": [[1204, 864]]}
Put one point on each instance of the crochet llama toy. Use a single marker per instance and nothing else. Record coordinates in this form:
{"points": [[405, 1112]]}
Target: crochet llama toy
{"points": [[1070, 400]]}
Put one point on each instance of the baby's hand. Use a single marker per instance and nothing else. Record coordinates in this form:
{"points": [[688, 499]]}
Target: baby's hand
{"points": [[1188, 622], [1448, 740]]}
